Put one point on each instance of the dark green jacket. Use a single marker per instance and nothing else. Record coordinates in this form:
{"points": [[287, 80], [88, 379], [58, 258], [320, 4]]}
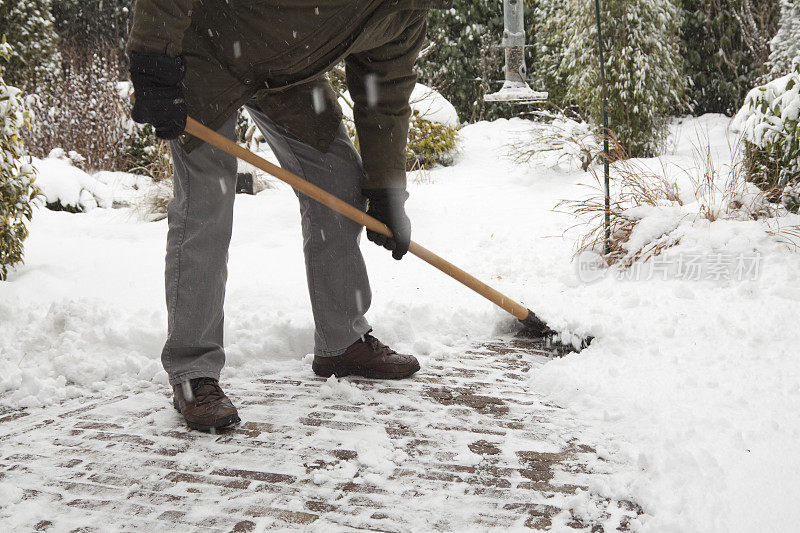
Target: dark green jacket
{"points": [[278, 52]]}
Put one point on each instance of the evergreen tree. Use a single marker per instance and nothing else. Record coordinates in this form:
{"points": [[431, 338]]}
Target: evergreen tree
{"points": [[17, 190], [786, 43], [725, 43], [29, 25], [93, 23], [464, 60], [644, 67], [550, 19]]}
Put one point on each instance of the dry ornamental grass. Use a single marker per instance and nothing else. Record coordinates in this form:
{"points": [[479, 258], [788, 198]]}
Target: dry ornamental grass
{"points": [[720, 191]]}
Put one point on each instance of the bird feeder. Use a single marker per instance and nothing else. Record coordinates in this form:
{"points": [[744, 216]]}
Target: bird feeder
{"points": [[515, 89]]}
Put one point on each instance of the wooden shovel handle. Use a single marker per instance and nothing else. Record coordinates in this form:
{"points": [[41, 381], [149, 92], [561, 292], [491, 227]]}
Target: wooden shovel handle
{"points": [[223, 143]]}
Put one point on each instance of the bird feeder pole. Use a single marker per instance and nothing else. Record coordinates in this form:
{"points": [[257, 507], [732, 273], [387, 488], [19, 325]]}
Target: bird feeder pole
{"points": [[606, 132]]}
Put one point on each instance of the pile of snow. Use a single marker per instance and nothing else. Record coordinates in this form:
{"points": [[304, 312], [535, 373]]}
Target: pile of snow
{"points": [[67, 186], [338, 389], [64, 184], [127, 189], [670, 223], [433, 107], [426, 101]]}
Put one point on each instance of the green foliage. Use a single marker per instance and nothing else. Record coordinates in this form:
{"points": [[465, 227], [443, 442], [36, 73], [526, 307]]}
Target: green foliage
{"points": [[550, 20], [791, 197], [17, 189], [147, 155], [29, 25], [644, 67], [725, 44], [464, 60], [769, 122], [140, 156], [786, 43], [429, 143]]}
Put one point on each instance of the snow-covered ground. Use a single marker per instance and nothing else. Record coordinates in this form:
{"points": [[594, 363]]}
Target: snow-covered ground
{"points": [[694, 381]]}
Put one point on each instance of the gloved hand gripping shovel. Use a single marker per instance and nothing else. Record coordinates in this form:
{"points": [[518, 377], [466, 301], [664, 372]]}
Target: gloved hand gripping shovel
{"points": [[532, 325]]}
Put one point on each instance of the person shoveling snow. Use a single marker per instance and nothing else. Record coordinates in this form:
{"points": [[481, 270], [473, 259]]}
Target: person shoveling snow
{"points": [[280, 94], [208, 60]]}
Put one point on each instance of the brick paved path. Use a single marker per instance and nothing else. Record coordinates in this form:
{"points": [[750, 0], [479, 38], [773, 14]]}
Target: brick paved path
{"points": [[463, 446]]}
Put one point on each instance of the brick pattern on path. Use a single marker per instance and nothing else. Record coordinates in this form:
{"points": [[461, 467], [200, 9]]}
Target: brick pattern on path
{"points": [[464, 446]]}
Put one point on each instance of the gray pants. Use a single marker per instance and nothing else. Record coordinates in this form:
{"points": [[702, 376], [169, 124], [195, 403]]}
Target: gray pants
{"points": [[200, 222]]}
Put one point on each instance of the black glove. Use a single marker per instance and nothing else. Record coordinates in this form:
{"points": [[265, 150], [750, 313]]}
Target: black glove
{"points": [[388, 206], [157, 89]]}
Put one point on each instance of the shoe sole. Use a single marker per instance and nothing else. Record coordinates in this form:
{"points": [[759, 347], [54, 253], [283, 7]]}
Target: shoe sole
{"points": [[343, 371], [222, 423]]}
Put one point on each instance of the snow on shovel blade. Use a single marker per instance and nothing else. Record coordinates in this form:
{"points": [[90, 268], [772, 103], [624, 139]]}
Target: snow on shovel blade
{"points": [[534, 327]]}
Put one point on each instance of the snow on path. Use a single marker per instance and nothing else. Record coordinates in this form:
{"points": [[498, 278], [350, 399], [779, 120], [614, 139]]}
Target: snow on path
{"points": [[464, 446], [88, 304], [695, 383]]}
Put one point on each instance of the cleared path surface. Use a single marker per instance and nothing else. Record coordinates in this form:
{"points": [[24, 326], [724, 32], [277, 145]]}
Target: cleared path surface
{"points": [[465, 445]]}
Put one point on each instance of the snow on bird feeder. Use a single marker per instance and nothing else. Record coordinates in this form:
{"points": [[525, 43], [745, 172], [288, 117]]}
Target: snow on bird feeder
{"points": [[515, 89]]}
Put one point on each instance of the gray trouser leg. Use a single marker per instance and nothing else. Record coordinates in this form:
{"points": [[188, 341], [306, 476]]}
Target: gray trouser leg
{"points": [[200, 220], [335, 269]]}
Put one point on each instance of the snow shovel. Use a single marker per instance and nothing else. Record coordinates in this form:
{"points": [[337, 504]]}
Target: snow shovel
{"points": [[533, 326]]}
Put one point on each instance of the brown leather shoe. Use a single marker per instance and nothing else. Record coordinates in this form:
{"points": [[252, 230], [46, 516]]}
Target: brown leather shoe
{"points": [[203, 404], [367, 357]]}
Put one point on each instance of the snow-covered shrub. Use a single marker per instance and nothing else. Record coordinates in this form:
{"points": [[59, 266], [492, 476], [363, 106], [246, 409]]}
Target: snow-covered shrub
{"points": [[726, 43], [17, 189], [651, 210], [433, 129], [429, 143], [790, 197], [432, 132], [155, 203], [637, 193], [66, 187], [84, 110], [644, 66], [768, 122], [554, 140], [786, 43], [29, 25], [147, 155]]}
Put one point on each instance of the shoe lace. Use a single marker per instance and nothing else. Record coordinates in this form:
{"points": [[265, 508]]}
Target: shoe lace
{"points": [[207, 390], [377, 345]]}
